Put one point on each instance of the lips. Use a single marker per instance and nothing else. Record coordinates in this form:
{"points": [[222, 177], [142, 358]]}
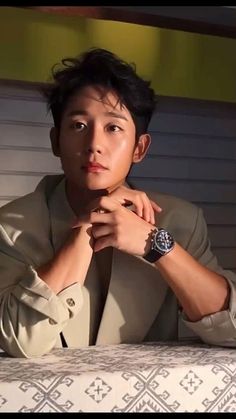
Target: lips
{"points": [[93, 167]]}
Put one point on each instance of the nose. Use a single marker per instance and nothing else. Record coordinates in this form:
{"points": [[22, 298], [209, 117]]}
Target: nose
{"points": [[94, 141], [94, 149]]}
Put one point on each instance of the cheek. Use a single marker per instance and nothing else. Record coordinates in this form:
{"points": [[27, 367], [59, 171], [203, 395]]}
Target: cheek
{"points": [[123, 150], [70, 148]]}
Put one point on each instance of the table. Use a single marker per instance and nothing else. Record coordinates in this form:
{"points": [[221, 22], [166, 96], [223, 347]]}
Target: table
{"points": [[148, 377]]}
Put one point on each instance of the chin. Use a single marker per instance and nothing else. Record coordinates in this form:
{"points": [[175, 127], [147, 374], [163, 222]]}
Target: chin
{"points": [[99, 188], [95, 186]]}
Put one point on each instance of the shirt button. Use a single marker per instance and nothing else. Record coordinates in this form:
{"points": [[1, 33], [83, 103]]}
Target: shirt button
{"points": [[70, 302], [51, 321]]}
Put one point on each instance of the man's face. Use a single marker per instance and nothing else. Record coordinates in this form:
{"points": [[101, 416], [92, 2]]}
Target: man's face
{"points": [[96, 143]]}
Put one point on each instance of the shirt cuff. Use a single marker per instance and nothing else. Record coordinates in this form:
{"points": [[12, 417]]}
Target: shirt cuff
{"points": [[218, 328], [35, 293]]}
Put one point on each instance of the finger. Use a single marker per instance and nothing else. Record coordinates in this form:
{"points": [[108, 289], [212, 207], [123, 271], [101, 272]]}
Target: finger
{"points": [[122, 194], [142, 206], [156, 207], [101, 231], [147, 209], [152, 214], [138, 206], [153, 220], [81, 221], [107, 203], [101, 218], [95, 204], [103, 242], [120, 199]]}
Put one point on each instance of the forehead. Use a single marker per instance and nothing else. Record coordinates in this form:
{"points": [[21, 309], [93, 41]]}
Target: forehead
{"points": [[97, 97]]}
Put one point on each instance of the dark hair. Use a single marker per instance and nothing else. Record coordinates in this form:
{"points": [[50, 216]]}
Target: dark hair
{"points": [[100, 67]]}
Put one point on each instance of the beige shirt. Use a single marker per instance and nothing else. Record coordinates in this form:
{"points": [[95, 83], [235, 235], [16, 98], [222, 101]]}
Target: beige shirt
{"points": [[124, 298]]}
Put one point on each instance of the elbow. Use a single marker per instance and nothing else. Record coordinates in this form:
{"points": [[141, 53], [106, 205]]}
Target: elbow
{"points": [[25, 349]]}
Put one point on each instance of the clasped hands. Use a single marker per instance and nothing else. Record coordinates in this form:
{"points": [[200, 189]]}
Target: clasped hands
{"points": [[112, 223]]}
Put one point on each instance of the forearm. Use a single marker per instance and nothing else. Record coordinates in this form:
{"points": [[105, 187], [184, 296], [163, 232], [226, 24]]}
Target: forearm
{"points": [[71, 263], [199, 291]]}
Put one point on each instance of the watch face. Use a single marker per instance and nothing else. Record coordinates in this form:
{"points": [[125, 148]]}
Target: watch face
{"points": [[163, 241]]}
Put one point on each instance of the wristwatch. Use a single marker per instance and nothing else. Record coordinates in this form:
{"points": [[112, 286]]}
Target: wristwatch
{"points": [[162, 243]]}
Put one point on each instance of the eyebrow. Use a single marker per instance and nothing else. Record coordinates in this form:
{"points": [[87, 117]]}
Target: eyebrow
{"points": [[82, 112], [116, 115]]}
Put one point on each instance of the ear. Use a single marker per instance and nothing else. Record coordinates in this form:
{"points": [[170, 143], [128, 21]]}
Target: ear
{"points": [[141, 148], [54, 137]]}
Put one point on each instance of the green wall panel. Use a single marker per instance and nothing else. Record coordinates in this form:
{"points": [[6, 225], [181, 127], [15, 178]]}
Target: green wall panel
{"points": [[178, 63]]}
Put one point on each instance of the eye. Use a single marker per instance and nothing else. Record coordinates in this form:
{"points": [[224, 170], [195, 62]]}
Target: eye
{"points": [[78, 126], [114, 128]]}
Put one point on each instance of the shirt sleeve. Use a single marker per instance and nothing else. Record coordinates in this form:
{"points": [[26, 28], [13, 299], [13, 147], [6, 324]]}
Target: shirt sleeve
{"points": [[31, 314]]}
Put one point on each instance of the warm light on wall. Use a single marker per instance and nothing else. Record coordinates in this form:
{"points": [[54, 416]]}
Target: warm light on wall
{"points": [[178, 63]]}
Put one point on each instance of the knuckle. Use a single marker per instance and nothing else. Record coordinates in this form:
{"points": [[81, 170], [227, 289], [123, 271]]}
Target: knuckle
{"points": [[117, 217], [102, 200], [138, 197]]}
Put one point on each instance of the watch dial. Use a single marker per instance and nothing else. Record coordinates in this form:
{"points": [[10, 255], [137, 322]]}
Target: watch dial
{"points": [[164, 241]]}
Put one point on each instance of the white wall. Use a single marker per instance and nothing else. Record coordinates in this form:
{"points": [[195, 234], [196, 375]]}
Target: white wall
{"points": [[25, 153]]}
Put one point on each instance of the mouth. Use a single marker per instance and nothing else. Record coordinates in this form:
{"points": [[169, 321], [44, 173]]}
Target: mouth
{"points": [[93, 168]]}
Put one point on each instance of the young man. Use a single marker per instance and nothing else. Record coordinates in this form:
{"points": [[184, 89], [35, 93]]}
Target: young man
{"points": [[86, 260]]}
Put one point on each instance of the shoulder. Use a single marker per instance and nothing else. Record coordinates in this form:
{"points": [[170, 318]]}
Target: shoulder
{"points": [[173, 204], [176, 211], [28, 210], [183, 219]]}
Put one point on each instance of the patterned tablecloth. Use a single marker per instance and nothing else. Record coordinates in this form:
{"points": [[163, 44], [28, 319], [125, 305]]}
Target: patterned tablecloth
{"points": [[151, 377]]}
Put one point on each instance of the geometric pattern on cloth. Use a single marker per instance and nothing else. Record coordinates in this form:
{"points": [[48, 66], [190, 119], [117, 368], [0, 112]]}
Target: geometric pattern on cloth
{"points": [[148, 377]]}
